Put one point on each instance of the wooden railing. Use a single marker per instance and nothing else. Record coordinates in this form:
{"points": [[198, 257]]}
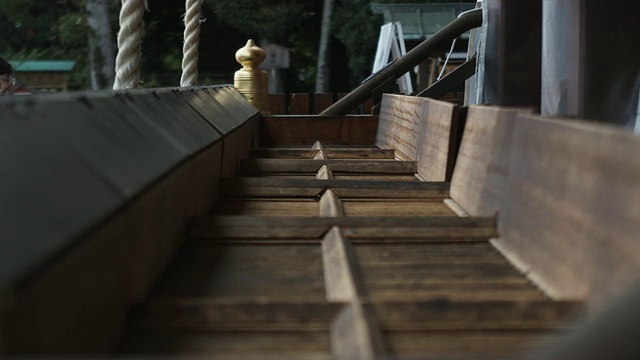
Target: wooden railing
{"points": [[310, 104]]}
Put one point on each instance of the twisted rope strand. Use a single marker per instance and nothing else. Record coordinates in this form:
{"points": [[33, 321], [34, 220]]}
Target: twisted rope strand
{"points": [[192, 20], [129, 44]]}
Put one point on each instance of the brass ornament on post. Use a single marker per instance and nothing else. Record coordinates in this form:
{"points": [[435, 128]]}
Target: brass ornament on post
{"points": [[251, 81]]}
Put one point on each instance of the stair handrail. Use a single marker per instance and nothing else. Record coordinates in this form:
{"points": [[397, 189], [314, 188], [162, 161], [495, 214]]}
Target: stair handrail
{"points": [[465, 22]]}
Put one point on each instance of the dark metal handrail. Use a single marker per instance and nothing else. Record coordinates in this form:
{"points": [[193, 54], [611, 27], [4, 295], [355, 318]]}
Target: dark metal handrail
{"points": [[465, 22]]}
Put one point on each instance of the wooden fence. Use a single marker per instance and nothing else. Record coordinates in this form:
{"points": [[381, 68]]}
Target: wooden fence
{"points": [[309, 104]]}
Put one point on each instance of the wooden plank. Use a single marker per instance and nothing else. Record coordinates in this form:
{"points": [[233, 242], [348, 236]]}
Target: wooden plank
{"points": [[389, 207], [422, 130], [482, 168], [231, 345], [210, 314], [299, 104], [331, 153], [279, 187], [283, 153], [237, 145], [390, 293], [50, 313], [340, 278], [437, 144], [244, 272], [251, 166], [409, 221], [321, 102], [399, 125], [425, 254], [375, 177], [330, 205], [301, 130], [317, 146], [354, 335], [476, 315], [324, 173], [267, 207], [571, 207], [320, 155], [465, 344], [367, 105], [359, 153], [277, 104], [365, 228]]}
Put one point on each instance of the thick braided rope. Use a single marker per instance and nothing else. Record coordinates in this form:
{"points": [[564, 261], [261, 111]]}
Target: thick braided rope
{"points": [[192, 20], [129, 44]]}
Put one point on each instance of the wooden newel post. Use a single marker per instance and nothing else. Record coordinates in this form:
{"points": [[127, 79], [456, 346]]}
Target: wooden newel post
{"points": [[251, 81]]}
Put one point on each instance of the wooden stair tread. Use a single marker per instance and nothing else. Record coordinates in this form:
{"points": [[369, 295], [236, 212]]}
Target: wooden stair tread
{"points": [[322, 252]]}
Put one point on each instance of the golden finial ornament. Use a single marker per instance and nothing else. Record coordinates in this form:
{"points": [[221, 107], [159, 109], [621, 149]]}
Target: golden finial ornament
{"points": [[251, 81]]}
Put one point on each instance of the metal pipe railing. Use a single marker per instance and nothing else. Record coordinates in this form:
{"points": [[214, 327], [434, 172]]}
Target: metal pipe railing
{"points": [[465, 22]]}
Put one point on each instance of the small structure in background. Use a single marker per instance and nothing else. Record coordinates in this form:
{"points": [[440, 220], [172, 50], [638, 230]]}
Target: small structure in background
{"points": [[276, 62], [420, 22], [43, 75]]}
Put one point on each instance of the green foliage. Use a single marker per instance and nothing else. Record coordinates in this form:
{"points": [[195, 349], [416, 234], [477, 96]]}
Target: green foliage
{"points": [[355, 26], [266, 19], [46, 30]]}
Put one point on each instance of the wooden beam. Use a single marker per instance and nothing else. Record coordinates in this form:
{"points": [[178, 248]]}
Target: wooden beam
{"points": [[480, 177], [370, 228], [278, 187], [339, 275], [252, 166], [301, 130], [324, 173], [355, 335], [330, 205], [219, 315], [440, 314]]}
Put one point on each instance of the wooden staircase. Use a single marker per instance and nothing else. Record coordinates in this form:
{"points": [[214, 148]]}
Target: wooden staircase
{"points": [[181, 222], [326, 251]]}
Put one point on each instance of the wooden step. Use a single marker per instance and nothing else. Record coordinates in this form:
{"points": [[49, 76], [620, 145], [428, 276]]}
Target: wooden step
{"points": [[267, 165], [366, 228], [282, 187]]}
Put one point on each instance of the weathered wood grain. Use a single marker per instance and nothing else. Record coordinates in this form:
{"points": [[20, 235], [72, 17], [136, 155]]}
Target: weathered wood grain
{"points": [[373, 228], [230, 345], [283, 187], [340, 279], [322, 101], [267, 207], [305, 130], [277, 104], [572, 204], [330, 205], [324, 173], [244, 272], [437, 140], [399, 125], [465, 344], [355, 335], [481, 172], [299, 103], [422, 130], [252, 166], [384, 207], [441, 314], [203, 313]]}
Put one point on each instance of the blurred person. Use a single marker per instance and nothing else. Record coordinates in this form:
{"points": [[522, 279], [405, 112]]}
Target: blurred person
{"points": [[7, 79]]}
